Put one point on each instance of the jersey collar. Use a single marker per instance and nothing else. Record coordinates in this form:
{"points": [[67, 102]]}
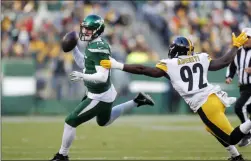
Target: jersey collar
{"points": [[183, 56], [96, 39]]}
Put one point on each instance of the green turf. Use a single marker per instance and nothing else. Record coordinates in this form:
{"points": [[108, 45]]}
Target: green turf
{"points": [[131, 137]]}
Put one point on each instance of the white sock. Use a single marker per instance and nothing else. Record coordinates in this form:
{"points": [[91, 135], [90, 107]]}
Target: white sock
{"points": [[67, 139], [120, 110], [232, 150], [245, 127]]}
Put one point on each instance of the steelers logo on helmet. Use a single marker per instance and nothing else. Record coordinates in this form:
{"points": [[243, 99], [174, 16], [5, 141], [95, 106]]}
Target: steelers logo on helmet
{"points": [[180, 46], [91, 27]]}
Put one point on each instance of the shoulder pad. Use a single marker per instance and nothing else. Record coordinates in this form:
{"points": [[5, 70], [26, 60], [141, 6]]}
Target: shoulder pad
{"points": [[99, 47], [162, 64], [205, 55], [164, 61]]}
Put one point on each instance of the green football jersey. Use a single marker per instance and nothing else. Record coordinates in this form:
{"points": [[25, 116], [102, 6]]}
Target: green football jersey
{"points": [[96, 51]]}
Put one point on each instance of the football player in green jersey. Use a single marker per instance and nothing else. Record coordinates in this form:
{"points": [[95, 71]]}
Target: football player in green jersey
{"points": [[101, 92]]}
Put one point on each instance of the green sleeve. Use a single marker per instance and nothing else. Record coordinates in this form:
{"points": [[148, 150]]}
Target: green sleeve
{"points": [[97, 57], [99, 51]]}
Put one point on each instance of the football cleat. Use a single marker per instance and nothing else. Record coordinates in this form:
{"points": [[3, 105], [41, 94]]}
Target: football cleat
{"points": [[237, 158], [245, 141], [143, 99], [60, 157]]}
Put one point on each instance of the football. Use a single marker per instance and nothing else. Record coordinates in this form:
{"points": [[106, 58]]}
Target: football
{"points": [[69, 41]]}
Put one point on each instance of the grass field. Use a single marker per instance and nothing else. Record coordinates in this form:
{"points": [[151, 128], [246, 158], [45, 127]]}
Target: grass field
{"points": [[173, 137]]}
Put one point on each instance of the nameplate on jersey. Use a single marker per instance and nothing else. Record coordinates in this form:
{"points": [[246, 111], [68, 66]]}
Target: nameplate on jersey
{"points": [[186, 60]]}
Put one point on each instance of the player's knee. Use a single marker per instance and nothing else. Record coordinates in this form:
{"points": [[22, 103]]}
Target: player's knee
{"points": [[102, 122], [233, 140], [70, 120]]}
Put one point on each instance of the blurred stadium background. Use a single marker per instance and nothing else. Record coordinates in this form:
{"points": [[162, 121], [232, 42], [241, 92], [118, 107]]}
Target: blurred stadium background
{"points": [[36, 93]]}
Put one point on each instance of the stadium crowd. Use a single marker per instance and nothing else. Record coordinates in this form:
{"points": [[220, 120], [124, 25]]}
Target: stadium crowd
{"points": [[34, 29], [208, 24]]}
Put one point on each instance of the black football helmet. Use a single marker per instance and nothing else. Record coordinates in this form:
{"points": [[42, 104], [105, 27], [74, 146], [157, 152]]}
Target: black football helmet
{"points": [[180, 46]]}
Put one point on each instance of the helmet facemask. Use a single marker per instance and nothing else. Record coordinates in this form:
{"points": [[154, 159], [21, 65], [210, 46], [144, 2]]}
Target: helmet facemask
{"points": [[85, 34], [191, 48], [172, 51]]}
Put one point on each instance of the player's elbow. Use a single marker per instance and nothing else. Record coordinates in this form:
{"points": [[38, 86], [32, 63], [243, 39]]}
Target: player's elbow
{"points": [[101, 75], [103, 78]]}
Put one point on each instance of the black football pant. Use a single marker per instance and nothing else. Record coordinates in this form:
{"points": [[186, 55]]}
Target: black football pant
{"points": [[243, 105]]}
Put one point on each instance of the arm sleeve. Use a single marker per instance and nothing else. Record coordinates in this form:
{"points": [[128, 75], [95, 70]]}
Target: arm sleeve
{"points": [[97, 57], [79, 58], [231, 70], [102, 73], [100, 76]]}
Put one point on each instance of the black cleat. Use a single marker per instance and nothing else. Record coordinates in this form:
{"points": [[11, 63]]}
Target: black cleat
{"points": [[143, 99], [237, 158], [60, 157], [245, 141]]}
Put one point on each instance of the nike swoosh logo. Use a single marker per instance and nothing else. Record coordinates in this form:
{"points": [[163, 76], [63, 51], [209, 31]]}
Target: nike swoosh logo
{"points": [[172, 47], [143, 100]]}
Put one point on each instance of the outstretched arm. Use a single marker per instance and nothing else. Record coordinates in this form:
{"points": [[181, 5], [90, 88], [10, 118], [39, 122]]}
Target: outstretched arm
{"points": [[141, 69], [134, 68], [225, 60]]}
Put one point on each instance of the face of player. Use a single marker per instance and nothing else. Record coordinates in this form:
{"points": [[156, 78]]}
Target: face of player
{"points": [[248, 43], [86, 34]]}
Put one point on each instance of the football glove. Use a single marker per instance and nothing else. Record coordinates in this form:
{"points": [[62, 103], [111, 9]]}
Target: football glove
{"points": [[240, 40], [106, 64]]}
